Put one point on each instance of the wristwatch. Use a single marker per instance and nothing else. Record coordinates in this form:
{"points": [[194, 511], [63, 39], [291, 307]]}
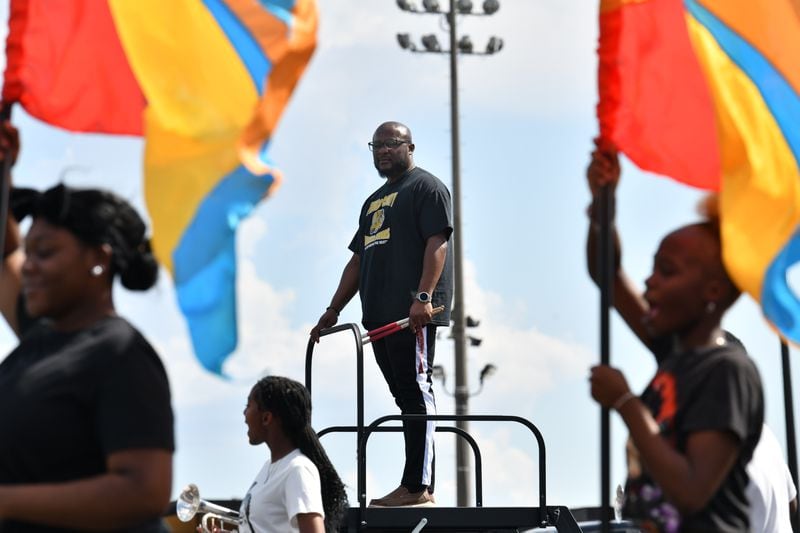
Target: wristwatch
{"points": [[424, 297]]}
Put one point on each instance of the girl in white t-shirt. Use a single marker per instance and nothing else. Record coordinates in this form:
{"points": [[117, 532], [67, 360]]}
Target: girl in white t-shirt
{"points": [[297, 490]]}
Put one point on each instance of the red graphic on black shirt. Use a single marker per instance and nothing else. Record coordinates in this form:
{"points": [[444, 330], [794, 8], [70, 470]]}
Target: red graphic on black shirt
{"points": [[667, 405], [645, 503]]}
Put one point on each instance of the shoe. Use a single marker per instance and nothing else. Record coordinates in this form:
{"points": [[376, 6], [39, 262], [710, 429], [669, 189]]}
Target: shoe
{"points": [[400, 497], [379, 502]]}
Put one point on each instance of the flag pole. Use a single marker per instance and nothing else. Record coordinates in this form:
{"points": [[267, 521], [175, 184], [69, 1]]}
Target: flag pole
{"points": [[606, 259], [788, 406], [5, 186]]}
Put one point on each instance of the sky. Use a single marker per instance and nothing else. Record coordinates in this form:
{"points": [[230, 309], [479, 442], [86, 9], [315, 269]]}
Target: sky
{"points": [[527, 123]]}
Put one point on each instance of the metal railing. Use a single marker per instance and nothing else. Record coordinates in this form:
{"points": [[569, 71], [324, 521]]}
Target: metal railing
{"points": [[363, 432]]}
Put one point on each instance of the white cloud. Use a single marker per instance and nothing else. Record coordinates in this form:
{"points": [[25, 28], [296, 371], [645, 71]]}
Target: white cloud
{"points": [[345, 27], [529, 362], [510, 473]]}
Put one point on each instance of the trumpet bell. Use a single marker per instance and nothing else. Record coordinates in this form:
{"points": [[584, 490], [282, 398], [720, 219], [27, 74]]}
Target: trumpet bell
{"points": [[188, 503]]}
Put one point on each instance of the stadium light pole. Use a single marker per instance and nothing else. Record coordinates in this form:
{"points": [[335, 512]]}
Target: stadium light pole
{"points": [[430, 44]]}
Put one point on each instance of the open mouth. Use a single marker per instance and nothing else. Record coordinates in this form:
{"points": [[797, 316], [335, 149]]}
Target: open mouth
{"points": [[651, 313]]}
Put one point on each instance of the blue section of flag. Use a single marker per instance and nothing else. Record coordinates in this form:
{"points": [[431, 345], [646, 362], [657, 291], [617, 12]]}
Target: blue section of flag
{"points": [[205, 265], [257, 64], [778, 300], [208, 302]]}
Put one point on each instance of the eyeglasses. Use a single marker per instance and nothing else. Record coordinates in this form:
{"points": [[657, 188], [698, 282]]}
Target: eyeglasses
{"points": [[389, 143]]}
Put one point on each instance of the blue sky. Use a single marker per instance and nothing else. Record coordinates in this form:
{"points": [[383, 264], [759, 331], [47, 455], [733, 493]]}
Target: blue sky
{"points": [[527, 120]]}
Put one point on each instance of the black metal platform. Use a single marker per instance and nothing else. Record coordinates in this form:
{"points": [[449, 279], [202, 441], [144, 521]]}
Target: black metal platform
{"points": [[539, 517], [461, 519]]}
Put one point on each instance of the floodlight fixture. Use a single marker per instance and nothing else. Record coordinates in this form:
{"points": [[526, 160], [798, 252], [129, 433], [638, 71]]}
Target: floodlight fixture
{"points": [[464, 6], [431, 43], [404, 40], [431, 6], [490, 7], [440, 374], [465, 45], [494, 45], [405, 5], [487, 371]]}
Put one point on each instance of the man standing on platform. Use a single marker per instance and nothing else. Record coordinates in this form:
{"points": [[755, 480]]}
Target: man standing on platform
{"points": [[402, 266]]}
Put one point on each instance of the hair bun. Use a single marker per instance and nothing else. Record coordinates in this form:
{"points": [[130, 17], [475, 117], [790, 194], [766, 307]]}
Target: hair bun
{"points": [[141, 271], [23, 202], [708, 207]]}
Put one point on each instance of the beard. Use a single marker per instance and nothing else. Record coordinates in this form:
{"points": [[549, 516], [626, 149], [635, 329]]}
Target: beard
{"points": [[396, 169]]}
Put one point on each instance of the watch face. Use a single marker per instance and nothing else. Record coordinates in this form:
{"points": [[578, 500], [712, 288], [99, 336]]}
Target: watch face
{"points": [[423, 297]]}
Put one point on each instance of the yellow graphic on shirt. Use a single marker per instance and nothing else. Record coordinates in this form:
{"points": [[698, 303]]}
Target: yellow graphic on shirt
{"points": [[378, 238], [386, 201], [376, 234], [378, 217]]}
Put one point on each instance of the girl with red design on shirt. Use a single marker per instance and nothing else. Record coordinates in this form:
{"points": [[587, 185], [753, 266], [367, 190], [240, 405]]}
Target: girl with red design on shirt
{"points": [[694, 429]]}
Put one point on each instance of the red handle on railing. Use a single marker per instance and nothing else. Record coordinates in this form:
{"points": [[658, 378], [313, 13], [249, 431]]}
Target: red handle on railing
{"points": [[393, 327]]}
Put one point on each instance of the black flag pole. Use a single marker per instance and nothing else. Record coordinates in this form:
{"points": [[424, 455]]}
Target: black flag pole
{"points": [[791, 441], [606, 260], [5, 186]]}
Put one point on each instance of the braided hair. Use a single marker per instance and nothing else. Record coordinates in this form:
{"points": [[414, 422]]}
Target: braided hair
{"points": [[290, 401], [96, 217]]}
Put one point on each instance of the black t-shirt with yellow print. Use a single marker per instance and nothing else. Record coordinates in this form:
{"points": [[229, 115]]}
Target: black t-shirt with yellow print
{"points": [[394, 225]]}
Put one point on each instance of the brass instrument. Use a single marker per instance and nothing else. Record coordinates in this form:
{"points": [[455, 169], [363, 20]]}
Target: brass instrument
{"points": [[214, 516]]}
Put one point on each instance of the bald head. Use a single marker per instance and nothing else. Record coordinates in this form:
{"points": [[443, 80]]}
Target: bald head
{"points": [[394, 129]]}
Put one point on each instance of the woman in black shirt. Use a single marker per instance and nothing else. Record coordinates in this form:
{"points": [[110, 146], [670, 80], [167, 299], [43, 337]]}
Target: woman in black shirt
{"points": [[87, 427]]}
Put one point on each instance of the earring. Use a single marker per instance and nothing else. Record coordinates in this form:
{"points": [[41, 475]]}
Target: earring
{"points": [[97, 270], [711, 307]]}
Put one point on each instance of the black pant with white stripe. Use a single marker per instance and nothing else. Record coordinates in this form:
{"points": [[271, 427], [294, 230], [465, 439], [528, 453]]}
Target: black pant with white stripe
{"points": [[406, 360]]}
